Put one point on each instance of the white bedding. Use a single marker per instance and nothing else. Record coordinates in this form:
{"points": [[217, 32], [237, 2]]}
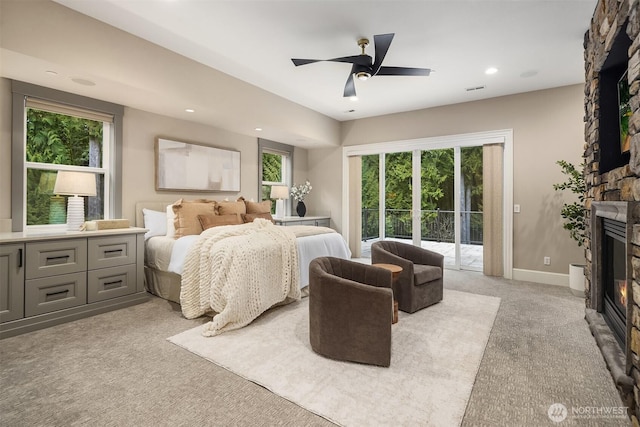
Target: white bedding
{"points": [[309, 247]]}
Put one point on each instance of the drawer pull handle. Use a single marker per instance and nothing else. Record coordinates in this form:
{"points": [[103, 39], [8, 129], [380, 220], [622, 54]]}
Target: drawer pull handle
{"points": [[50, 296], [54, 260], [20, 258], [113, 284], [112, 252]]}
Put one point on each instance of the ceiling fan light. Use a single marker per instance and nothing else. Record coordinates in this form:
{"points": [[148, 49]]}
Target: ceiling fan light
{"points": [[363, 75]]}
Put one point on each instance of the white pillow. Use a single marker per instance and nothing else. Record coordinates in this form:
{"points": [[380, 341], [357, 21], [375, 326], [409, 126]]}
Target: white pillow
{"points": [[155, 222], [171, 216]]}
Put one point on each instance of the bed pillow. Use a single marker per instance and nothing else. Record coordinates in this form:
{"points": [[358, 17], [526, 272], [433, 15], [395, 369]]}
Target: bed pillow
{"points": [[155, 222], [187, 211], [249, 217], [171, 228], [258, 207], [231, 208], [211, 220]]}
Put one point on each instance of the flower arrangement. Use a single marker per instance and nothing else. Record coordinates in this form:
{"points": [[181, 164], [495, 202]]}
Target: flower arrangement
{"points": [[299, 192]]}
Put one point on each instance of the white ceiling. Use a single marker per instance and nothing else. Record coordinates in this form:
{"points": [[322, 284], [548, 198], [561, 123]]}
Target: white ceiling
{"points": [[534, 44]]}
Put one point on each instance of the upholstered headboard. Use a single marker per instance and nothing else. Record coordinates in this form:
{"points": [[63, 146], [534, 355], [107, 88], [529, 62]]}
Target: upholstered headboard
{"points": [[154, 206]]}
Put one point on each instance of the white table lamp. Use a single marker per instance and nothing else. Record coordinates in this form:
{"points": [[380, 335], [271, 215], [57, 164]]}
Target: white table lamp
{"points": [[279, 192], [75, 184]]}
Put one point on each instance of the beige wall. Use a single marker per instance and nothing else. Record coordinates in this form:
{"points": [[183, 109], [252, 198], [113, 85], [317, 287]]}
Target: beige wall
{"points": [[5, 149], [547, 126], [138, 170], [140, 131]]}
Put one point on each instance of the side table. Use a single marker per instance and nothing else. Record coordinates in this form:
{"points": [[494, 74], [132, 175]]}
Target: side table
{"points": [[395, 272]]}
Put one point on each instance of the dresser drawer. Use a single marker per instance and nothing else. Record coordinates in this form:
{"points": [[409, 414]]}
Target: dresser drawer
{"points": [[113, 282], [45, 259], [112, 251], [54, 293]]}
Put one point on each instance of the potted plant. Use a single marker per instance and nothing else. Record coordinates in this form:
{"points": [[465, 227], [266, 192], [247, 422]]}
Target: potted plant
{"points": [[574, 215]]}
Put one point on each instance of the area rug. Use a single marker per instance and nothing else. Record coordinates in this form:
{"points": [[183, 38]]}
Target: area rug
{"points": [[435, 357]]}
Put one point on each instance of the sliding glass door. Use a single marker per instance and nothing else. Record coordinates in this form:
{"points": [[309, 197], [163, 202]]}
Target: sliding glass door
{"points": [[431, 198]]}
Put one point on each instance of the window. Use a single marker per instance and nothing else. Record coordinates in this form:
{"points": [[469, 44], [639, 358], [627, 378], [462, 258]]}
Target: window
{"points": [[56, 142], [56, 131], [276, 166]]}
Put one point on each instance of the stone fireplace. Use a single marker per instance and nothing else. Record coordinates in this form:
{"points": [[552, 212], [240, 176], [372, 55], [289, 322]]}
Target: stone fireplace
{"points": [[612, 171], [610, 308]]}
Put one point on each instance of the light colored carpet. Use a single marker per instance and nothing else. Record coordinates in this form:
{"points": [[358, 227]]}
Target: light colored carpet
{"points": [[436, 353]]}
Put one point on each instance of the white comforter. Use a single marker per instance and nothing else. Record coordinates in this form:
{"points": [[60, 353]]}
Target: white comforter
{"points": [[239, 272], [309, 247]]}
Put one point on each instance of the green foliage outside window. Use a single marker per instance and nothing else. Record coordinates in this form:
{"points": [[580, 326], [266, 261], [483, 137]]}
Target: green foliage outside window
{"points": [[436, 191], [271, 167]]}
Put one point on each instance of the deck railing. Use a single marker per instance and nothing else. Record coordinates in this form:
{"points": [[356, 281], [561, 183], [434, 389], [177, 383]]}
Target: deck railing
{"points": [[437, 225]]}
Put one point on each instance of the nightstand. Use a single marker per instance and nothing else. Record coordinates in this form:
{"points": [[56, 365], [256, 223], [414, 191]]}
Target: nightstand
{"points": [[318, 221]]}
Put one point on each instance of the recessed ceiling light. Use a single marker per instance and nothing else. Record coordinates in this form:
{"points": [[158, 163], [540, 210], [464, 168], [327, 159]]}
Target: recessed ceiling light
{"points": [[353, 98], [491, 70], [259, 129], [189, 110], [51, 72], [83, 82]]}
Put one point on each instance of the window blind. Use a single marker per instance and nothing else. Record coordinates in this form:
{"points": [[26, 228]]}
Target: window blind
{"points": [[69, 110]]}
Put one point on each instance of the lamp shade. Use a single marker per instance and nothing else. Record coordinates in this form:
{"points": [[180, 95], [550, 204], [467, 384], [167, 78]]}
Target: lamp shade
{"points": [[75, 183], [279, 192]]}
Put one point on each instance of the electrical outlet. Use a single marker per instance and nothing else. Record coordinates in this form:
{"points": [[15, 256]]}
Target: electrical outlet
{"points": [[516, 208], [547, 260]]}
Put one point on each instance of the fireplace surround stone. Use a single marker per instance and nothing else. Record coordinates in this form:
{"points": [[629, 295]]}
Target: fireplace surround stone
{"points": [[612, 46]]}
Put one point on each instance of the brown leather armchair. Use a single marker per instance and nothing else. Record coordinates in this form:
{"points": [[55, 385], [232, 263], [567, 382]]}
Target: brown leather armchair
{"points": [[420, 284], [350, 311]]}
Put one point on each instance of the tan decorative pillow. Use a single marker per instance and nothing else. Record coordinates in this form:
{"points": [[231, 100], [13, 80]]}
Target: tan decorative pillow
{"points": [[228, 208], [258, 207], [210, 220], [187, 211], [249, 217]]}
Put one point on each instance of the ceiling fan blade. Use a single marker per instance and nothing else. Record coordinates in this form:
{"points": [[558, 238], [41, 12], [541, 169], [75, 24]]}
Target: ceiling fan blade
{"points": [[403, 71], [355, 59], [350, 86], [298, 62], [382, 42]]}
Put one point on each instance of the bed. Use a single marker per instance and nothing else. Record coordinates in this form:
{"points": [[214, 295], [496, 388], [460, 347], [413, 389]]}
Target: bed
{"points": [[165, 256]]}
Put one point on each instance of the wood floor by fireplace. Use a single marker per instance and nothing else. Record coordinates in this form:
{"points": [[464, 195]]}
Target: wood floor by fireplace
{"points": [[614, 307]]}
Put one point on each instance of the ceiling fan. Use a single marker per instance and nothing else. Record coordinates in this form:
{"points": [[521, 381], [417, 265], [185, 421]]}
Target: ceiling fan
{"points": [[365, 67]]}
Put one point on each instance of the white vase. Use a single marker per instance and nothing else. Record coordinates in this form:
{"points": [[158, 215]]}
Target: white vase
{"points": [[576, 279]]}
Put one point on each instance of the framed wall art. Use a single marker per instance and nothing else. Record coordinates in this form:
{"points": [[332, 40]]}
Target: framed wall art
{"points": [[183, 166], [624, 112]]}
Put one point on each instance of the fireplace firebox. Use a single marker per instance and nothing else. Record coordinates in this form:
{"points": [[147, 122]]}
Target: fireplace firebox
{"points": [[614, 304]]}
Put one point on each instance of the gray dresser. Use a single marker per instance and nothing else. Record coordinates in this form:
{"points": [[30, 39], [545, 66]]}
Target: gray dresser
{"points": [[47, 279]]}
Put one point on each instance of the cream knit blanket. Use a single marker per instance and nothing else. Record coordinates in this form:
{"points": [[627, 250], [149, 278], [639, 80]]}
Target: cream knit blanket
{"points": [[239, 271]]}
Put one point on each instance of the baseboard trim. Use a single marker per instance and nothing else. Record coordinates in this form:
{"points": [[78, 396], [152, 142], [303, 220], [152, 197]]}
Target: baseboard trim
{"points": [[544, 277]]}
